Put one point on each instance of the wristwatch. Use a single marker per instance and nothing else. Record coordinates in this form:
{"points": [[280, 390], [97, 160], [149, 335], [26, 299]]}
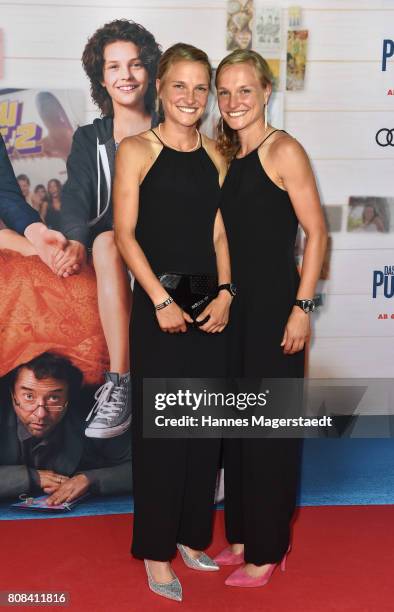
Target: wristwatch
{"points": [[306, 305], [230, 287]]}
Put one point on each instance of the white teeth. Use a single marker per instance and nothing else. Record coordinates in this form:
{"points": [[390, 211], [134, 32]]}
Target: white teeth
{"points": [[127, 87], [238, 113], [185, 109]]}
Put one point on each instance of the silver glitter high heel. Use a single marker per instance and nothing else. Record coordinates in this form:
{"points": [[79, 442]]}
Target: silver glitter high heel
{"points": [[171, 590], [203, 562]]}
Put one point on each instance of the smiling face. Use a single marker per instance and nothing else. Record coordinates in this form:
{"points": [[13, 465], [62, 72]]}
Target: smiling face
{"points": [[368, 214], [40, 194], [241, 95], [183, 91], [25, 187], [124, 76], [30, 396], [243, 39], [53, 188]]}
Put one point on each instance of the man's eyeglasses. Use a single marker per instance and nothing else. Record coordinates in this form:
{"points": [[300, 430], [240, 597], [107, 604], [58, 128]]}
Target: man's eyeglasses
{"points": [[31, 405]]}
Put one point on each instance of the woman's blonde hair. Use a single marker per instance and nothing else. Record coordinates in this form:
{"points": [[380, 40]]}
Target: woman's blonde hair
{"points": [[227, 140], [177, 53]]}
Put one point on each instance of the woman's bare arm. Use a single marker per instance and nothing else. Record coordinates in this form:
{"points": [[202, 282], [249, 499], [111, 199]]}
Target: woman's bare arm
{"points": [[133, 159], [218, 309], [294, 169]]}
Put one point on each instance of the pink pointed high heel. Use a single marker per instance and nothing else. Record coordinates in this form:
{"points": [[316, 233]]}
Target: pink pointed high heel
{"points": [[227, 557], [242, 579]]}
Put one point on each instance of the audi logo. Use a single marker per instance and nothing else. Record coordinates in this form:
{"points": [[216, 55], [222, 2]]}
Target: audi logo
{"points": [[385, 137]]}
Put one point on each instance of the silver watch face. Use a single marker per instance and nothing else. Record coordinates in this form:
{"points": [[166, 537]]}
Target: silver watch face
{"points": [[233, 289], [306, 305], [309, 306]]}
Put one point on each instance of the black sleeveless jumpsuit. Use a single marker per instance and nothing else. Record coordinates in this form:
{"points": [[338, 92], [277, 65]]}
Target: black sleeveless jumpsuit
{"points": [[174, 479], [260, 474]]}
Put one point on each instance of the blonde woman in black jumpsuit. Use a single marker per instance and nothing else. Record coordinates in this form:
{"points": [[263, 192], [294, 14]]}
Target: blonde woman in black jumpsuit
{"points": [[167, 193], [269, 188]]}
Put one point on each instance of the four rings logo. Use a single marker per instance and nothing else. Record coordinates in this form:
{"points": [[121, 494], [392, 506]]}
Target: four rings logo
{"points": [[385, 137]]}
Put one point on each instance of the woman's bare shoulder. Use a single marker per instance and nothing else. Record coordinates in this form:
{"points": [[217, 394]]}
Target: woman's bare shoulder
{"points": [[288, 157], [285, 146], [139, 142], [139, 149]]}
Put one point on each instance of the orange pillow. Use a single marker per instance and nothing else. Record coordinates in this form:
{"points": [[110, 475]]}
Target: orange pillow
{"points": [[41, 312]]}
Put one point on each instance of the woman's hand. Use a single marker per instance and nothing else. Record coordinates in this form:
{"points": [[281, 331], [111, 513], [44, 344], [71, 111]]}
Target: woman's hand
{"points": [[297, 331], [71, 259], [218, 311], [173, 319], [48, 243]]}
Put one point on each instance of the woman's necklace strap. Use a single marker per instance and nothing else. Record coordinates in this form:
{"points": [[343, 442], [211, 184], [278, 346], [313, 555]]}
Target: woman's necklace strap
{"points": [[258, 146], [158, 137], [266, 138]]}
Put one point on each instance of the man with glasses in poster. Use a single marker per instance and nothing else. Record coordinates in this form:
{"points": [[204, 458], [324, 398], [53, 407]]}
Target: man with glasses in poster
{"points": [[43, 449]]}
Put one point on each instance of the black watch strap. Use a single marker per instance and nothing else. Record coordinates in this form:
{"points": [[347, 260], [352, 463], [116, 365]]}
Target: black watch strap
{"points": [[306, 305], [230, 287]]}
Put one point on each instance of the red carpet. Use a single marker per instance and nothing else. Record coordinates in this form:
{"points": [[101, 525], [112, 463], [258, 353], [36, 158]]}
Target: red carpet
{"points": [[342, 559]]}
